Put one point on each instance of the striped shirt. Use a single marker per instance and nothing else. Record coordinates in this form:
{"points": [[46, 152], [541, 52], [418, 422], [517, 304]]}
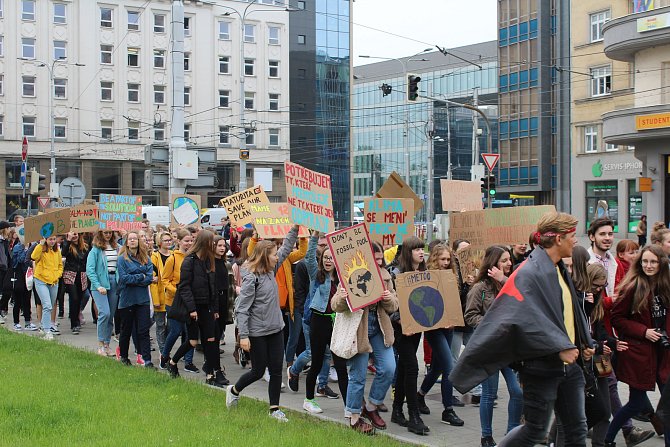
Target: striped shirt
{"points": [[111, 255]]}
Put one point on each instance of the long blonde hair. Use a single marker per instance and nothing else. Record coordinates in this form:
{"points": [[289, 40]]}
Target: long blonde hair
{"points": [[142, 255], [259, 260]]}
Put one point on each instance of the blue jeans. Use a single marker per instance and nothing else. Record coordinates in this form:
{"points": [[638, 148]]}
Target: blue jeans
{"points": [[294, 328], [358, 368], [489, 391], [106, 305], [638, 403], [306, 356], [174, 330], [458, 340], [47, 294], [442, 363]]}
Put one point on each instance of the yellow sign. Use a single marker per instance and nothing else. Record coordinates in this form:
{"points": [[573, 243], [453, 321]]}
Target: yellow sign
{"points": [[654, 22], [644, 184], [654, 121]]}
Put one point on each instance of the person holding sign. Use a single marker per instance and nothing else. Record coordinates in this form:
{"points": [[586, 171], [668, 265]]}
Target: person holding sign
{"points": [[495, 268], [48, 270], [260, 321], [75, 251]]}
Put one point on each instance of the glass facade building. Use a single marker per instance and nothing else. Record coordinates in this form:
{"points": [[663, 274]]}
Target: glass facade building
{"points": [[320, 68], [387, 130]]}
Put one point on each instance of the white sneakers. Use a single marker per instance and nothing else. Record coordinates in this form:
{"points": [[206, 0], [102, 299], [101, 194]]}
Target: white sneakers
{"points": [[311, 406], [231, 399], [279, 415], [48, 336]]}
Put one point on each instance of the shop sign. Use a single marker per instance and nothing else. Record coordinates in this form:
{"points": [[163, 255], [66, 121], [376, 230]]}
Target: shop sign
{"points": [[598, 168], [652, 121], [658, 21]]}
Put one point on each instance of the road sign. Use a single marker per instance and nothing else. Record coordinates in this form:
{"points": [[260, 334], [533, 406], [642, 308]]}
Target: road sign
{"points": [[72, 191], [491, 160], [44, 201], [24, 149], [24, 168]]}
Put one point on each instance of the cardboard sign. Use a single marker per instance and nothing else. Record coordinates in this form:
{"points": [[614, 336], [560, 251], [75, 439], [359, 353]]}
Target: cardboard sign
{"points": [[459, 195], [21, 232], [117, 212], [498, 226], [355, 263], [428, 300], [395, 187], [47, 225], [389, 221], [469, 261], [84, 218], [237, 205], [309, 195], [185, 209], [272, 221]]}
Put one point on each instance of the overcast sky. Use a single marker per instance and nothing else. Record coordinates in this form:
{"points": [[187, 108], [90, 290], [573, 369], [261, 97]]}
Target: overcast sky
{"points": [[447, 23]]}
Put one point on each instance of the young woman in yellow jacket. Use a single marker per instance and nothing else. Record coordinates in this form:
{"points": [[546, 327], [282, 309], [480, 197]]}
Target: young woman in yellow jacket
{"points": [[170, 279], [48, 270], [158, 259]]}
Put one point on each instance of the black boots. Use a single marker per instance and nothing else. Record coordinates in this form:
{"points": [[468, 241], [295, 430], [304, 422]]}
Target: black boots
{"points": [[398, 417], [423, 408], [416, 425]]}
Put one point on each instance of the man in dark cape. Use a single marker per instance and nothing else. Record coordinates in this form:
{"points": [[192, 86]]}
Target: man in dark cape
{"points": [[526, 326]]}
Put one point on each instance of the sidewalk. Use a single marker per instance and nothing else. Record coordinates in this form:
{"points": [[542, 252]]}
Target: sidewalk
{"points": [[440, 434]]}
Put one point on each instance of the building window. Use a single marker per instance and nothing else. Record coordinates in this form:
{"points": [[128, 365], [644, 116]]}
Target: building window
{"points": [[133, 92], [601, 81], [133, 20], [224, 135], [28, 48], [249, 100], [159, 58], [106, 129], [301, 5], [301, 39], [60, 126], [2, 45], [248, 67], [187, 96], [590, 139], [2, 121], [224, 65], [159, 94], [611, 147], [106, 90], [597, 21], [133, 57], [274, 137], [2, 84], [273, 35], [302, 73], [60, 88], [273, 69], [159, 23], [187, 61], [28, 126], [133, 131], [60, 49], [106, 18], [187, 26], [249, 136], [274, 102], [28, 10], [2, 8], [159, 132], [224, 98], [28, 86], [60, 13], [106, 54], [187, 132], [224, 30], [249, 33]]}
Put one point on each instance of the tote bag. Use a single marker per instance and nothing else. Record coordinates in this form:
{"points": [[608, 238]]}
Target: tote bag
{"points": [[343, 342]]}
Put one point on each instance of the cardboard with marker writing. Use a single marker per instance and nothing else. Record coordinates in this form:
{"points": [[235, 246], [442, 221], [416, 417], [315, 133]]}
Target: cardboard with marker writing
{"points": [[389, 221], [309, 196], [428, 300], [395, 187], [185, 209], [356, 267], [47, 225], [238, 205], [273, 221], [460, 195], [119, 212], [84, 218]]}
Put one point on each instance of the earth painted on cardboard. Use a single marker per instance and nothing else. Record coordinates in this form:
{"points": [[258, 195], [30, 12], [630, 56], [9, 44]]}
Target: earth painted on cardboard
{"points": [[360, 282], [426, 306]]}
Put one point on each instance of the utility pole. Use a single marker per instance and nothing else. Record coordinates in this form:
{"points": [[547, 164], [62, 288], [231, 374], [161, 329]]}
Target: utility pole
{"points": [[448, 144], [405, 143], [430, 132], [475, 128], [177, 143]]}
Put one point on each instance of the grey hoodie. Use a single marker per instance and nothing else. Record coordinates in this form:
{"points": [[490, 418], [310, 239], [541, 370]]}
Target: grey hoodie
{"points": [[257, 309]]}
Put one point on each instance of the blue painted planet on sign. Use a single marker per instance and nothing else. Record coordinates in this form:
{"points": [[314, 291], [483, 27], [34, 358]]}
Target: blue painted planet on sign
{"points": [[426, 306], [181, 201], [47, 230]]}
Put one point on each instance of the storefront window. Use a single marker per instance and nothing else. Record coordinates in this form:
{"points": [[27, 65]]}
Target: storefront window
{"points": [[106, 179], [634, 207], [607, 192], [17, 202], [67, 169], [148, 197]]}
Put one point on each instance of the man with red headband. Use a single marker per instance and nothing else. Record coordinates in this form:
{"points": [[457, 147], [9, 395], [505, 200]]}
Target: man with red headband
{"points": [[536, 324]]}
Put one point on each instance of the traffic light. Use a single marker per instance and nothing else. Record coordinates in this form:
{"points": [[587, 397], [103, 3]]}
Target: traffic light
{"points": [[35, 185], [244, 154], [491, 185], [413, 87], [485, 184], [386, 89]]}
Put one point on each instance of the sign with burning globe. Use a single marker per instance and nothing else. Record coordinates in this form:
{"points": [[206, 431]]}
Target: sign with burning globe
{"points": [[428, 300], [356, 267]]}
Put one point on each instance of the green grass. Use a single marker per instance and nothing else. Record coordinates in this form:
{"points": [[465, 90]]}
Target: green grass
{"points": [[56, 395]]}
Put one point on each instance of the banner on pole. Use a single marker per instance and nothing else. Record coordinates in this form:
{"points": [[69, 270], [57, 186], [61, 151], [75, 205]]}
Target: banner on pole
{"points": [[238, 205], [309, 196], [389, 221]]}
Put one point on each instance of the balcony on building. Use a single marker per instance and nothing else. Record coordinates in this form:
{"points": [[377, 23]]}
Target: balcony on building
{"points": [[625, 36]]}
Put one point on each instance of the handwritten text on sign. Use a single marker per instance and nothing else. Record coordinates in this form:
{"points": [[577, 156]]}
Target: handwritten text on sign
{"points": [[47, 225], [117, 212], [272, 220], [389, 221], [238, 205], [309, 195], [505, 226], [84, 218], [459, 195]]}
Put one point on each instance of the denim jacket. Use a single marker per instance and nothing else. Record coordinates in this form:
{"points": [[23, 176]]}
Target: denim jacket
{"points": [[319, 293]]}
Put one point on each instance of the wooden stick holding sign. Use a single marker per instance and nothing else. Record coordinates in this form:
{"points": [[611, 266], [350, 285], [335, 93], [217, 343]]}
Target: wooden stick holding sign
{"points": [[389, 221], [356, 266], [428, 300], [47, 225]]}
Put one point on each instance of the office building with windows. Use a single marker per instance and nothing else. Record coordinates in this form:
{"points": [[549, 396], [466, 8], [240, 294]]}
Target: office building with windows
{"points": [[388, 130], [110, 95]]}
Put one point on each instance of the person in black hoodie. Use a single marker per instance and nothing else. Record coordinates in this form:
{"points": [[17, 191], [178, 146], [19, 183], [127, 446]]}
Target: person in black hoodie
{"points": [[75, 251], [4, 267], [197, 291]]}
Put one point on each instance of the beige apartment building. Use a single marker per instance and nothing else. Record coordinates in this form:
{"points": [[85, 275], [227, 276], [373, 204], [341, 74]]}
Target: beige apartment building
{"points": [[601, 171]]}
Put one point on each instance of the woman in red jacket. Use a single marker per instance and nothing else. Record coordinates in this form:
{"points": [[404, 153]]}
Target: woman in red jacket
{"points": [[640, 316]]}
